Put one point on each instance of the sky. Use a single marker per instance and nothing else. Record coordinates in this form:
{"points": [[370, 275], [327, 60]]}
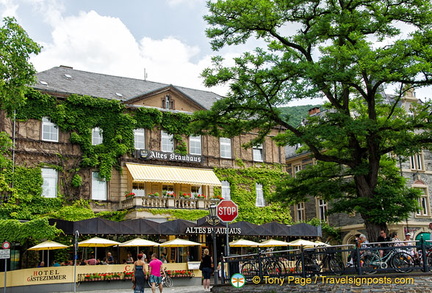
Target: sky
{"points": [[160, 40]]}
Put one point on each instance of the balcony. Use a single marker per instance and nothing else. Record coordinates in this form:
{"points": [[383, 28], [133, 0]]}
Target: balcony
{"points": [[167, 202]]}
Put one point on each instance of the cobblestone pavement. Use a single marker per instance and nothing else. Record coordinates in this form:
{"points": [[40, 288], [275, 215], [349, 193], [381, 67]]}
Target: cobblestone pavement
{"points": [[179, 289]]}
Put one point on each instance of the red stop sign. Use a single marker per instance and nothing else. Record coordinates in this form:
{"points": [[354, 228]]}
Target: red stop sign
{"points": [[227, 211]]}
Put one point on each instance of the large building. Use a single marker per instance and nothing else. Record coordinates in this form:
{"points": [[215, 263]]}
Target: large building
{"points": [[123, 144], [417, 169]]}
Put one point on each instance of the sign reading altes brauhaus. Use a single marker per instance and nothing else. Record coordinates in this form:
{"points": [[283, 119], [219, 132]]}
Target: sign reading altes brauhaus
{"points": [[209, 230]]}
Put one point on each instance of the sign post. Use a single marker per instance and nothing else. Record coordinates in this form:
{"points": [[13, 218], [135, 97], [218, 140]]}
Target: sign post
{"points": [[227, 211], [5, 254]]}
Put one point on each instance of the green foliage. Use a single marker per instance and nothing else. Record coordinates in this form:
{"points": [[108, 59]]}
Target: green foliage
{"points": [[80, 114], [242, 185], [359, 124], [37, 229], [330, 233], [295, 114], [191, 215], [79, 210], [15, 70], [117, 216]]}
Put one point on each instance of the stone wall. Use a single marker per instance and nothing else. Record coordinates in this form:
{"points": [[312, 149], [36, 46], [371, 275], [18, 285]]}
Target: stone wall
{"points": [[407, 283]]}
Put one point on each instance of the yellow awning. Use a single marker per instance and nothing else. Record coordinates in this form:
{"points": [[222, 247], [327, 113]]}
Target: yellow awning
{"points": [[167, 174]]}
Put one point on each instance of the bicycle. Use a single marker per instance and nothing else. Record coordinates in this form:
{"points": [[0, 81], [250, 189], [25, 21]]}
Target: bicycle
{"points": [[400, 261], [270, 266], [166, 281], [312, 266]]}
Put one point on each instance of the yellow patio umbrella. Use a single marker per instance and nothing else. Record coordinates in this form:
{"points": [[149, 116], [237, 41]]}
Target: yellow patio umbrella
{"points": [[243, 243], [273, 243], [138, 242], [48, 245]]}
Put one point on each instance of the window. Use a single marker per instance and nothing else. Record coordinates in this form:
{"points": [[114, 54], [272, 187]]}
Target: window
{"points": [[258, 153], [423, 201], [138, 188], [296, 168], [49, 185], [259, 195], [225, 147], [49, 130], [195, 145], [167, 142], [195, 190], [139, 139], [322, 210], [97, 137], [168, 102], [226, 190], [416, 162], [300, 212], [167, 189], [99, 187]]}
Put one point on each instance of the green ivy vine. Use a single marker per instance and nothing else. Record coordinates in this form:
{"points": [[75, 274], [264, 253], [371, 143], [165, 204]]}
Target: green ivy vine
{"points": [[78, 115], [242, 184]]}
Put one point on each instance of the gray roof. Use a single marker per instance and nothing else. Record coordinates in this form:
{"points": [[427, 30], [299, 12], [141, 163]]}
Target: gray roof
{"points": [[66, 80]]}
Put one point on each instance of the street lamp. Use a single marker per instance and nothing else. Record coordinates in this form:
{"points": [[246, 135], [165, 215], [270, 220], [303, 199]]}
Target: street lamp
{"points": [[213, 220]]}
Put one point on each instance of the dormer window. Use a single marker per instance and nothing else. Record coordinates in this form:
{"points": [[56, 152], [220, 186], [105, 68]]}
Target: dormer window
{"points": [[168, 103]]}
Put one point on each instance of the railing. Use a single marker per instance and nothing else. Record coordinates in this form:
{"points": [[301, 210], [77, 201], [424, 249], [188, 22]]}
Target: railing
{"points": [[167, 202], [331, 260]]}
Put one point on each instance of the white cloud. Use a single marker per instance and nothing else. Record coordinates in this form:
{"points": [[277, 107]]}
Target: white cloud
{"points": [[9, 8], [104, 44]]}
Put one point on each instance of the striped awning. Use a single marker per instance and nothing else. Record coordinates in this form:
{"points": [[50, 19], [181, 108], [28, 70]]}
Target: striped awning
{"points": [[168, 174]]}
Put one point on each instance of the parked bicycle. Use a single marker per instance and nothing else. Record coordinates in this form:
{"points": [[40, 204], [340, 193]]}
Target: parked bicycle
{"points": [[312, 265], [399, 260], [270, 266]]}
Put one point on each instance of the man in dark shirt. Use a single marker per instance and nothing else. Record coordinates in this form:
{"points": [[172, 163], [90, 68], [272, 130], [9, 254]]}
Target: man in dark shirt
{"points": [[383, 238]]}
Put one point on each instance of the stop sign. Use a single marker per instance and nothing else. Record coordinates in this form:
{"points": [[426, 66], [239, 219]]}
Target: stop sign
{"points": [[227, 211]]}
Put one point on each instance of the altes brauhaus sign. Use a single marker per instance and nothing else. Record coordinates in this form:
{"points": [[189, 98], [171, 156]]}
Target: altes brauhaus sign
{"points": [[156, 155], [209, 230]]}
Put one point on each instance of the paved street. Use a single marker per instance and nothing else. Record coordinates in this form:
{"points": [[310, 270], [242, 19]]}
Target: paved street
{"points": [[179, 289]]}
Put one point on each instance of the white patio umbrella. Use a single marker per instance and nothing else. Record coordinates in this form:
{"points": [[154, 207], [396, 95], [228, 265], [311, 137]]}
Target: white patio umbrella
{"points": [[178, 242], [48, 245], [243, 243], [320, 243], [302, 242], [273, 243], [138, 242], [97, 242]]}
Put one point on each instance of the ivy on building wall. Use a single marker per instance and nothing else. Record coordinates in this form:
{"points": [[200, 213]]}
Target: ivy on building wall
{"points": [[243, 193], [78, 115], [37, 229]]}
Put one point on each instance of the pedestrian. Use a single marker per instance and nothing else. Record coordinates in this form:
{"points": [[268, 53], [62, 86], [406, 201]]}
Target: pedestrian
{"points": [[206, 266], [156, 272], [140, 273]]}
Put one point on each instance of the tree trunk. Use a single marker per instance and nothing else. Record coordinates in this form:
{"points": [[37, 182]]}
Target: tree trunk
{"points": [[372, 230]]}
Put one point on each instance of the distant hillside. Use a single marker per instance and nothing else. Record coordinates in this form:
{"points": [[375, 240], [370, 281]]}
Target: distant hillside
{"points": [[297, 113]]}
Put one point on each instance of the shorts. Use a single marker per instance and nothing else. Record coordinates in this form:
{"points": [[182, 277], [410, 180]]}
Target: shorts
{"points": [[155, 279], [207, 272]]}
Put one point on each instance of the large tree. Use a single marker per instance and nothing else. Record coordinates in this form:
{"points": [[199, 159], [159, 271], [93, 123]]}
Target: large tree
{"points": [[16, 72], [346, 52]]}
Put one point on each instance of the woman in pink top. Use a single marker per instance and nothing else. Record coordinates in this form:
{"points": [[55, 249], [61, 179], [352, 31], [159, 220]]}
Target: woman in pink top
{"points": [[155, 267]]}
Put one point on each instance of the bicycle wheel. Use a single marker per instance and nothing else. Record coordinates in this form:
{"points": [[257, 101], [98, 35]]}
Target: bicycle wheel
{"points": [[310, 267], [168, 282], [371, 263], [336, 266], [249, 270], [273, 269], [401, 262]]}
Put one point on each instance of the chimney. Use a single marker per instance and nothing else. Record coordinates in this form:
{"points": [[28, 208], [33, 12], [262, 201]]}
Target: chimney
{"points": [[313, 111]]}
